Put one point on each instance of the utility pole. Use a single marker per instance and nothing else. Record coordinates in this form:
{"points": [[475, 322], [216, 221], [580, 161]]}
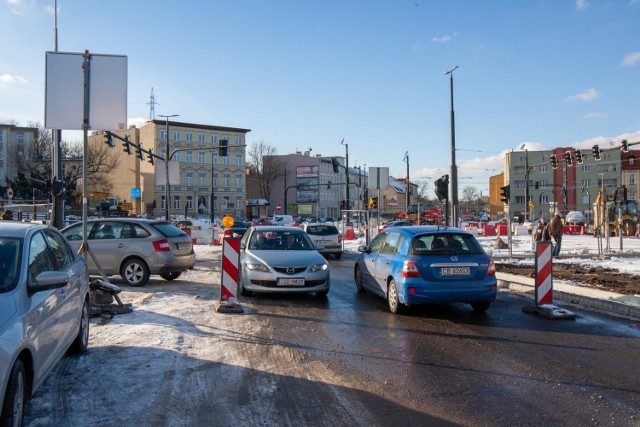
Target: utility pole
{"points": [[56, 157]]}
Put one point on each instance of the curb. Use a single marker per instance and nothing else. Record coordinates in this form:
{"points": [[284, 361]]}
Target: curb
{"points": [[603, 301]]}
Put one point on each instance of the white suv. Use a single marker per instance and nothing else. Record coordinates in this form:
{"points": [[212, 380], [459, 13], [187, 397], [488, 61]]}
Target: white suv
{"points": [[327, 235]]}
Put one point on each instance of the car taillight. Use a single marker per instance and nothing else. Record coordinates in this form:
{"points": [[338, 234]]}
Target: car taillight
{"points": [[491, 271], [162, 245], [339, 238], [409, 269]]}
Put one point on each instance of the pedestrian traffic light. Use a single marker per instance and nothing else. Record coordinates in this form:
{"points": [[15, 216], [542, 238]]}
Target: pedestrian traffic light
{"points": [[579, 157], [127, 145], [568, 159], [442, 187], [625, 146], [596, 152], [108, 139], [504, 194], [335, 164], [554, 161], [222, 150], [537, 185]]}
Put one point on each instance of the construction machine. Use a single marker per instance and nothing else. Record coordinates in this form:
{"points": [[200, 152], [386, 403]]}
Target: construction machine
{"points": [[614, 214]]}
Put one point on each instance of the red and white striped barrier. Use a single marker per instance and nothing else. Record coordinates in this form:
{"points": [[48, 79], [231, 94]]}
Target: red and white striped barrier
{"points": [[229, 278], [543, 273]]}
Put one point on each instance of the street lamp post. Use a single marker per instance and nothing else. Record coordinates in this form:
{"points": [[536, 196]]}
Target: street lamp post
{"points": [[167, 157], [454, 168], [346, 170], [406, 159]]}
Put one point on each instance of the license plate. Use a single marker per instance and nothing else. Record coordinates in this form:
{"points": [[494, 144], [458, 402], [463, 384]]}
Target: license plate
{"points": [[455, 271], [324, 242], [290, 281]]}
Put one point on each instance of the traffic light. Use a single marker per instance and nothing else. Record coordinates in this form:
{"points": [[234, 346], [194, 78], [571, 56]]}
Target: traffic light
{"points": [[596, 152], [537, 185], [442, 187], [625, 146], [57, 187], [140, 152], [222, 150], [504, 194], [108, 139], [554, 161], [335, 164], [568, 159], [579, 157], [374, 203], [150, 155], [127, 145]]}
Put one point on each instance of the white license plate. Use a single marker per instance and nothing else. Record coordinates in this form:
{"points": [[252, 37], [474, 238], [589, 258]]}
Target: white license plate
{"points": [[455, 271], [325, 242], [293, 281]]}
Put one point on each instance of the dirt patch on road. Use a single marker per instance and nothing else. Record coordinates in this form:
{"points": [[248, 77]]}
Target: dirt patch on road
{"points": [[595, 277]]}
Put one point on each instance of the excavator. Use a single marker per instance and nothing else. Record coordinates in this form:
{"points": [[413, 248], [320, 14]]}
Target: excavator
{"points": [[616, 214]]}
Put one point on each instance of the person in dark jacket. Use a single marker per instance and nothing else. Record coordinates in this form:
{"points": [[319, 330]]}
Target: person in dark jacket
{"points": [[542, 232], [556, 230], [7, 215]]}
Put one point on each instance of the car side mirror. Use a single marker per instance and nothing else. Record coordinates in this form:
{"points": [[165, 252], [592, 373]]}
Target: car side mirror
{"points": [[363, 248]]}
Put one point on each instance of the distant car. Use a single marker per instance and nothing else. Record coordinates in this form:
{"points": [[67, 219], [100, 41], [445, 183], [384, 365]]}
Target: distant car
{"points": [[135, 248], [399, 223], [237, 231], [425, 264], [327, 235], [282, 220], [575, 218], [261, 221], [44, 310], [281, 260], [184, 225]]}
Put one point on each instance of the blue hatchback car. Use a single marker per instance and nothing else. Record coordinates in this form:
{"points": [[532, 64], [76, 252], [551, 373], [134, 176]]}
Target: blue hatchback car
{"points": [[426, 264]]}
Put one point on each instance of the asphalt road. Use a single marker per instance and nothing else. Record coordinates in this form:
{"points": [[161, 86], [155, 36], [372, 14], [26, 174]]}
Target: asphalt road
{"points": [[341, 361]]}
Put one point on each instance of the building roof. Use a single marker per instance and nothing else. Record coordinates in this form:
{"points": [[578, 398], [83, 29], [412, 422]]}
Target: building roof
{"points": [[200, 126]]}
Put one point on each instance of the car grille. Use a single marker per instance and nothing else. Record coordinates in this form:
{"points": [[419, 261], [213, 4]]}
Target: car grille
{"points": [[272, 283], [290, 270]]}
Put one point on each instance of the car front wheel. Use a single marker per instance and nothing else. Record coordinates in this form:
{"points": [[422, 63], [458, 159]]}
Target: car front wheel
{"points": [[357, 277], [81, 343], [392, 298], [15, 397], [135, 272]]}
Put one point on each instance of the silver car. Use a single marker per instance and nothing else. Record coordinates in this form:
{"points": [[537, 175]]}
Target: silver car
{"points": [[44, 310], [135, 248], [327, 235], [279, 259]]}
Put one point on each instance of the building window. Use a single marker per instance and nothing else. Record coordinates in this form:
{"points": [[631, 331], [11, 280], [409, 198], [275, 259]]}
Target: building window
{"points": [[238, 159], [215, 180], [518, 169], [189, 136], [190, 203], [201, 138], [238, 140], [163, 135], [201, 178], [632, 179], [585, 167], [586, 183], [214, 157], [632, 195], [176, 156], [189, 156], [176, 135], [20, 136], [162, 202], [214, 139], [544, 169], [226, 204], [225, 160], [544, 199], [238, 181], [520, 184], [189, 179], [201, 156], [585, 199], [163, 153], [520, 200], [176, 202], [225, 180], [239, 204]]}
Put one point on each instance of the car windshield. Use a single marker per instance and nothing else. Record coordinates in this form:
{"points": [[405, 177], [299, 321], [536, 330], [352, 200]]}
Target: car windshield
{"points": [[448, 244], [9, 263], [322, 230], [280, 240]]}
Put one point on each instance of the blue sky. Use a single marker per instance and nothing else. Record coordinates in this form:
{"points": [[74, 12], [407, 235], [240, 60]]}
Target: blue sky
{"points": [[306, 74]]}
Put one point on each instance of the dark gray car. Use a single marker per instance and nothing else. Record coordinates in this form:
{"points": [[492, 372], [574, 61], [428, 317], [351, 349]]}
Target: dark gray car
{"points": [[135, 248]]}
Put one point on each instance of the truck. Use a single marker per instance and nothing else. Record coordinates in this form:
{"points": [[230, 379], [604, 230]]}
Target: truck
{"points": [[615, 213], [106, 203]]}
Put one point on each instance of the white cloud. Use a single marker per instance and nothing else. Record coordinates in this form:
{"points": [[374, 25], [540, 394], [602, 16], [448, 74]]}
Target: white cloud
{"points": [[594, 115], [137, 121], [18, 7], [588, 95], [8, 79], [445, 38], [630, 59], [581, 4]]}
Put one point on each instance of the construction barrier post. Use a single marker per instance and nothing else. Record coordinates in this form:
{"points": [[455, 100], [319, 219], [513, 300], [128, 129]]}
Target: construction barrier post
{"points": [[229, 277]]}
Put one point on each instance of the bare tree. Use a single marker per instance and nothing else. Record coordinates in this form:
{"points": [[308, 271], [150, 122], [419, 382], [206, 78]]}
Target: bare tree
{"points": [[265, 167], [470, 194]]}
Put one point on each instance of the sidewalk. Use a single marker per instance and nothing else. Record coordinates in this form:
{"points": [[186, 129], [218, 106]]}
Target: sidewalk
{"points": [[598, 300]]}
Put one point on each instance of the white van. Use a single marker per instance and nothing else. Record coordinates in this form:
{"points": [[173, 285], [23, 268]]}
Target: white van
{"points": [[282, 220], [575, 218]]}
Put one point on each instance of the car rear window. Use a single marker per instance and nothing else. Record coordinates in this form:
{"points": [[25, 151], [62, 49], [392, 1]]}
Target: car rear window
{"points": [[448, 244], [322, 230], [168, 229]]}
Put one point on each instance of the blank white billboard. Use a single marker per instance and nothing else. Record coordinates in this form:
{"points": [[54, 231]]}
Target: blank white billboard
{"points": [[378, 178], [64, 91]]}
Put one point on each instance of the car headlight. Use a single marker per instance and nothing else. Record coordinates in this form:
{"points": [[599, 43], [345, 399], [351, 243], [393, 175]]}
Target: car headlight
{"points": [[319, 267], [257, 266]]}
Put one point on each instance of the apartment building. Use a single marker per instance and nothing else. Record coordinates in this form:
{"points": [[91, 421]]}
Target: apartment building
{"points": [[13, 141]]}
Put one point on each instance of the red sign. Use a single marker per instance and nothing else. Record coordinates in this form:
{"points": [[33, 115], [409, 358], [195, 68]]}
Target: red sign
{"points": [[278, 207]]}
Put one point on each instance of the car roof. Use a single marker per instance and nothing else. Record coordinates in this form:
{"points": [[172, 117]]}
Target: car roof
{"points": [[127, 220], [276, 228], [427, 229], [18, 229]]}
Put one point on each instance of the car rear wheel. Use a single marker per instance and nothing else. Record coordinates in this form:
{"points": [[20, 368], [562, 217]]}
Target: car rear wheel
{"points": [[392, 298], [480, 307], [357, 277], [81, 343], [135, 272], [15, 397], [338, 255], [171, 276]]}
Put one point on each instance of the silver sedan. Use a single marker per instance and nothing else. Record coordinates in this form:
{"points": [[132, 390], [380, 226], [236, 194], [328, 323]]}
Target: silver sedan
{"points": [[280, 259]]}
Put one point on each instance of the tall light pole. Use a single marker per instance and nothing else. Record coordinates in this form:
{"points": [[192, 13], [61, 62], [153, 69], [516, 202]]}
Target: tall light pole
{"points": [[406, 159], [454, 168], [167, 157], [346, 170]]}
